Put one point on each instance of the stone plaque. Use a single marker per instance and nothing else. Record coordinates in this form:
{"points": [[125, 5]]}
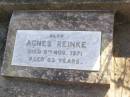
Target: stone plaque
{"points": [[58, 49]]}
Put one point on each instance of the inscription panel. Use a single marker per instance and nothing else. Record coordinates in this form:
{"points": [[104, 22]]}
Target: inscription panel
{"points": [[78, 50]]}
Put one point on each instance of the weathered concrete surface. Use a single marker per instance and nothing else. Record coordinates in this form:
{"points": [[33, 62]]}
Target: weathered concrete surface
{"points": [[120, 80], [20, 88], [7, 6], [63, 1]]}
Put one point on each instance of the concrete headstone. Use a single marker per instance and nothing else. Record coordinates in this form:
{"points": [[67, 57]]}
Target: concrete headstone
{"points": [[68, 46]]}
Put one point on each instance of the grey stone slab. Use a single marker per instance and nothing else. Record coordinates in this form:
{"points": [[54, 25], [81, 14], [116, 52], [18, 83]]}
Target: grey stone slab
{"points": [[61, 21]]}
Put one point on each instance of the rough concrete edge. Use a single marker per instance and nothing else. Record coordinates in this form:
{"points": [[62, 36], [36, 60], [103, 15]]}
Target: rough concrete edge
{"points": [[12, 2]]}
